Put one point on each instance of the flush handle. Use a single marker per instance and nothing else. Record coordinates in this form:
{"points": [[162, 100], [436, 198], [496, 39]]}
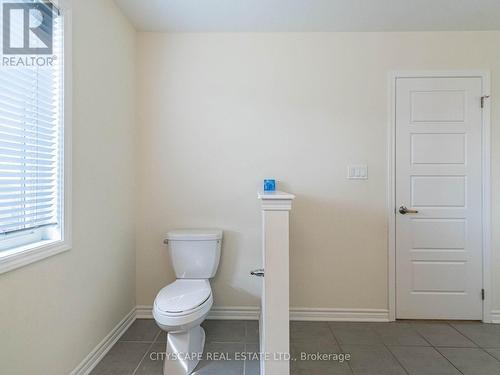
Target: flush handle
{"points": [[258, 272]]}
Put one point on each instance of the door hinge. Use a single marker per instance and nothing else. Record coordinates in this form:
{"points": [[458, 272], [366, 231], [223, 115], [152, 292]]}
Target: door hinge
{"points": [[483, 98], [482, 294]]}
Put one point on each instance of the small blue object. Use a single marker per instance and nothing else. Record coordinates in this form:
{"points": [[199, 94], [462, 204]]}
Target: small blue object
{"points": [[269, 185]]}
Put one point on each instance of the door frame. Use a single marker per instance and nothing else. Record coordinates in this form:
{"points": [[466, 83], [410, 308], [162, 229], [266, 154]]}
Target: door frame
{"points": [[486, 180]]}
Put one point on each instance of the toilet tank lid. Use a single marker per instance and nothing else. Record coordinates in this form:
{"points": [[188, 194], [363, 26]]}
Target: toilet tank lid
{"points": [[194, 235]]}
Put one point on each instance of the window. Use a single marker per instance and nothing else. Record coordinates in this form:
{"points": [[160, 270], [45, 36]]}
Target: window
{"points": [[32, 189]]}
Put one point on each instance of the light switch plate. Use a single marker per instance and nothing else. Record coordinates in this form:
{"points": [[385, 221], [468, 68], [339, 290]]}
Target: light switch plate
{"points": [[357, 172]]}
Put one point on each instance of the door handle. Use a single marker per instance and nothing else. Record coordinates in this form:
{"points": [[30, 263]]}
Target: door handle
{"points": [[258, 272], [403, 211]]}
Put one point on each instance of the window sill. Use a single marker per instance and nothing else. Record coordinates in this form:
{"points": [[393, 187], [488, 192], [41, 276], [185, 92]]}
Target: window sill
{"points": [[24, 255]]}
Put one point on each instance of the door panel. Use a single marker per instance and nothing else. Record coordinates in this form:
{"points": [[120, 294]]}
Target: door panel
{"points": [[438, 148], [438, 234], [438, 276], [438, 174], [437, 105], [437, 191]]}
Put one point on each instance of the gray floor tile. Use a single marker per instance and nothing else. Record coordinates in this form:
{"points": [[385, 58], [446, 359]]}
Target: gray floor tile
{"points": [[225, 330], [215, 331], [301, 330], [471, 361], [494, 352], [122, 359], [162, 337], [372, 360], [252, 367], [442, 334], [252, 331], [252, 364], [366, 342], [319, 368], [356, 333], [215, 359], [144, 330], [152, 363], [484, 335], [423, 361], [219, 367], [399, 334], [309, 365], [229, 348], [252, 348], [312, 345]]}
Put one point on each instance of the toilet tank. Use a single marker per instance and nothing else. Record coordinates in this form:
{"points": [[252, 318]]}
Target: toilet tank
{"points": [[195, 253]]}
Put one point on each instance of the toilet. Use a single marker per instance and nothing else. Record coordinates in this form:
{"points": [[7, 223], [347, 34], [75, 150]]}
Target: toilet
{"points": [[180, 307]]}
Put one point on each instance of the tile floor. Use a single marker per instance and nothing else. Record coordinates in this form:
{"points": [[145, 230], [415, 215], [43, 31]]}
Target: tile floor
{"points": [[403, 347]]}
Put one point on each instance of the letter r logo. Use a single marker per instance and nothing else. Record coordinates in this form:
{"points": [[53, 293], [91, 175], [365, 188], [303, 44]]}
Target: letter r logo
{"points": [[27, 28]]}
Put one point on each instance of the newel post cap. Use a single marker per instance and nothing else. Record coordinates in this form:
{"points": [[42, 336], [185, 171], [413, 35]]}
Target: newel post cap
{"points": [[276, 200]]}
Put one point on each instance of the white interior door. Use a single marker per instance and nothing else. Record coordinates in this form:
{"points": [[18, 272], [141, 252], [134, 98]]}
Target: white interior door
{"points": [[438, 174]]}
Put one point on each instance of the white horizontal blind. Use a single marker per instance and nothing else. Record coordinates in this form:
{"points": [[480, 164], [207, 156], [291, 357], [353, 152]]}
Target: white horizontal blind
{"points": [[30, 142]]}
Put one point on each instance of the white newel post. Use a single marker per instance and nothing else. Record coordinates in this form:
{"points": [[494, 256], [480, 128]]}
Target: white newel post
{"points": [[275, 316]]}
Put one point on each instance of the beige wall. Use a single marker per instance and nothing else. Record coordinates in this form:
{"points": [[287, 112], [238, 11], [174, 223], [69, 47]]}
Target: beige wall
{"points": [[219, 112], [54, 312]]}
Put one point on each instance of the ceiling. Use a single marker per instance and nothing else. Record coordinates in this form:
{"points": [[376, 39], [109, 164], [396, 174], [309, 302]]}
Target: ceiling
{"points": [[311, 15]]}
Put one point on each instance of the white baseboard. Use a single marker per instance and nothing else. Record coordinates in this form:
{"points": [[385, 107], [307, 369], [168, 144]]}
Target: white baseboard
{"points": [[296, 313], [495, 316], [234, 313], [144, 312], [341, 315], [91, 360], [216, 313]]}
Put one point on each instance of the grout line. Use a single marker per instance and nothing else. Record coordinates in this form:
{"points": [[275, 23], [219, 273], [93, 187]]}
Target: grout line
{"points": [[456, 347], [245, 350], [446, 358], [474, 342], [137, 341], [246, 331], [491, 355], [245, 347], [396, 358], [228, 342], [389, 350], [333, 334], [462, 334], [339, 345], [414, 329], [391, 353], [146, 353]]}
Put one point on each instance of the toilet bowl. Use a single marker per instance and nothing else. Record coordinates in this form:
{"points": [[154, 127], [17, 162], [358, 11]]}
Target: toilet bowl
{"points": [[181, 307]]}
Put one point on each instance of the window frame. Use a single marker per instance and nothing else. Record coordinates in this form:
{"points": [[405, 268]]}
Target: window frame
{"points": [[23, 255]]}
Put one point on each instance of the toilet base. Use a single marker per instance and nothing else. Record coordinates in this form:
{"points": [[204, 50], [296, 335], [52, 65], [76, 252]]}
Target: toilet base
{"points": [[184, 351]]}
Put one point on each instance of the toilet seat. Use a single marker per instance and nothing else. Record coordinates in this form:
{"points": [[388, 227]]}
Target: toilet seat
{"points": [[183, 296], [183, 304]]}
